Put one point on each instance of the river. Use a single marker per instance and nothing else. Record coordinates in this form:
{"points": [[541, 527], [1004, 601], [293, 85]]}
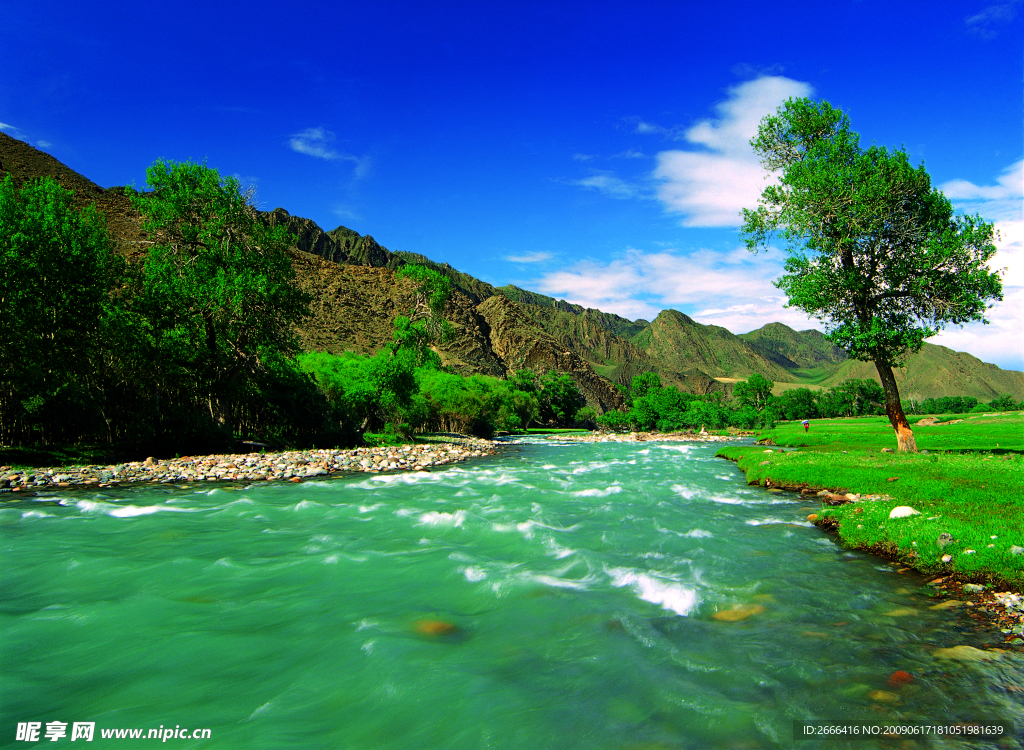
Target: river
{"points": [[565, 595]]}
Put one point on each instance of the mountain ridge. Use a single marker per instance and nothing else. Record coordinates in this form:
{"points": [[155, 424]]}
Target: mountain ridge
{"points": [[502, 329]]}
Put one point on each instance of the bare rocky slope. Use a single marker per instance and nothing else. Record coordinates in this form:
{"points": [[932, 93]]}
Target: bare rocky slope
{"points": [[503, 329]]}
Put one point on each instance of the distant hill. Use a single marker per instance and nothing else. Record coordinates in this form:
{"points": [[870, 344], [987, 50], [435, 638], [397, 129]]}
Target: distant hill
{"points": [[503, 329], [793, 350]]}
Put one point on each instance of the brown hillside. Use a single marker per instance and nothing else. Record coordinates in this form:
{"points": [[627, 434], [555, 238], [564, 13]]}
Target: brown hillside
{"points": [[937, 371], [522, 345], [23, 162]]}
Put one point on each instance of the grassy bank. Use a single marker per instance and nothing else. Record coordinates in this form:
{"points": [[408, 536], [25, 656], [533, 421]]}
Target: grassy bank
{"points": [[961, 484]]}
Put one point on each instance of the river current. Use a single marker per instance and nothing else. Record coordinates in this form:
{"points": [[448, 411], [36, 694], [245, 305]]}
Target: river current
{"points": [[565, 595]]}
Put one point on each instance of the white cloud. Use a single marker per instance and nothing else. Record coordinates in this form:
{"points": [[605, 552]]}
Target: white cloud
{"points": [[11, 130], [609, 184], [583, 157], [731, 289], [999, 202], [984, 24], [1001, 342], [537, 257], [316, 142], [649, 128], [710, 187], [43, 144]]}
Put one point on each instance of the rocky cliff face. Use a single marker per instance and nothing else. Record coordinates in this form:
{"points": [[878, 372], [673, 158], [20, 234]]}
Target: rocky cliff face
{"points": [[523, 346], [353, 308]]}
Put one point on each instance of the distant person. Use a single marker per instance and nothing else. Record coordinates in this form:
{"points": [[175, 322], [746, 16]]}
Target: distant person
{"points": [[807, 425]]}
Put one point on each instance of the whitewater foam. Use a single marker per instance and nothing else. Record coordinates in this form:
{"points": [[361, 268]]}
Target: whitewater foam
{"points": [[435, 518], [669, 595]]}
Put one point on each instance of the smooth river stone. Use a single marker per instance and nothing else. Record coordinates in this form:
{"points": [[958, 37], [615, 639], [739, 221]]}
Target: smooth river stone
{"points": [[965, 653], [736, 614], [435, 627], [900, 612]]}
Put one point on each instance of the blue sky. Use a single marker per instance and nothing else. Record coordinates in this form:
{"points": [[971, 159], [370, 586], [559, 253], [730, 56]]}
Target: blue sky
{"points": [[593, 151]]}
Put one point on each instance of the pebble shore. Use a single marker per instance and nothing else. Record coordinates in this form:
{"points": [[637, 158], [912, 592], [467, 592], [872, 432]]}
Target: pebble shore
{"points": [[251, 467]]}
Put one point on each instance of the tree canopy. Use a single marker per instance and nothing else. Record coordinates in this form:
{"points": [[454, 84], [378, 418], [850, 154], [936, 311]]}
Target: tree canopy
{"points": [[217, 289], [54, 262], [874, 251]]}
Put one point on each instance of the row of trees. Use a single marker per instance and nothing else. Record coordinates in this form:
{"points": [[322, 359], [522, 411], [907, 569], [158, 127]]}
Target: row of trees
{"points": [[186, 344], [389, 396], [191, 345], [652, 406], [963, 405]]}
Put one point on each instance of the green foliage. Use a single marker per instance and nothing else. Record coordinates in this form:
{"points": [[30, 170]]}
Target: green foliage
{"points": [[216, 289], [388, 394], [54, 266], [797, 403], [945, 405], [851, 398], [426, 324], [1005, 402], [754, 392], [874, 251], [559, 398]]}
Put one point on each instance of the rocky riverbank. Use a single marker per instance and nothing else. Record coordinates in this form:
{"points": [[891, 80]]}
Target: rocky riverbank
{"points": [[292, 466]]}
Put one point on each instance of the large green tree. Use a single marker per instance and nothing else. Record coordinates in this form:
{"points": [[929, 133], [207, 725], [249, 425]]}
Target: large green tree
{"points": [[218, 293], [874, 251], [54, 263]]}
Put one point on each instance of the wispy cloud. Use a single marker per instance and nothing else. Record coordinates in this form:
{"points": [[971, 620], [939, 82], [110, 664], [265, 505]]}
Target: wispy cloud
{"points": [[10, 130], [709, 187], [1002, 203], [986, 23], [643, 127], [609, 184], [999, 202], [43, 144], [583, 157], [346, 214], [317, 142], [631, 153], [732, 289], [537, 257]]}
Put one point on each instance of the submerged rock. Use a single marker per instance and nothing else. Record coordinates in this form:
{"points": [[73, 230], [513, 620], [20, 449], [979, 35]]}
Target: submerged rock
{"points": [[435, 627], [899, 677], [966, 653], [883, 696], [736, 614]]}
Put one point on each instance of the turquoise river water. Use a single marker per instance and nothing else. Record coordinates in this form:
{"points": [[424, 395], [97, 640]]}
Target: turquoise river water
{"points": [[561, 596]]}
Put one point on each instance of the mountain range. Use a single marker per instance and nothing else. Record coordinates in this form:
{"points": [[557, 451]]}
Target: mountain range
{"points": [[356, 294]]}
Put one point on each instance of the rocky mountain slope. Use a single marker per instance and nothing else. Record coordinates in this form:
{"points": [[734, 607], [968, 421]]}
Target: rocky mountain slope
{"points": [[504, 329]]}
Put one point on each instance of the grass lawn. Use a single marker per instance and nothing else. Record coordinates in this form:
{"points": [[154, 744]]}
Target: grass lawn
{"points": [[964, 486]]}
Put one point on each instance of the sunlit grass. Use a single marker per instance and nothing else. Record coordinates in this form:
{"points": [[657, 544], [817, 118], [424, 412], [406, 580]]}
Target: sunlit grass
{"points": [[963, 485]]}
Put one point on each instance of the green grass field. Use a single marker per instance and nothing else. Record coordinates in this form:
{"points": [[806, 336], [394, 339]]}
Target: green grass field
{"points": [[977, 433], [961, 483]]}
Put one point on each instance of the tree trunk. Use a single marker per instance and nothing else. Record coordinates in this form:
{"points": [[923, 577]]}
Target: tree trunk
{"points": [[905, 442]]}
